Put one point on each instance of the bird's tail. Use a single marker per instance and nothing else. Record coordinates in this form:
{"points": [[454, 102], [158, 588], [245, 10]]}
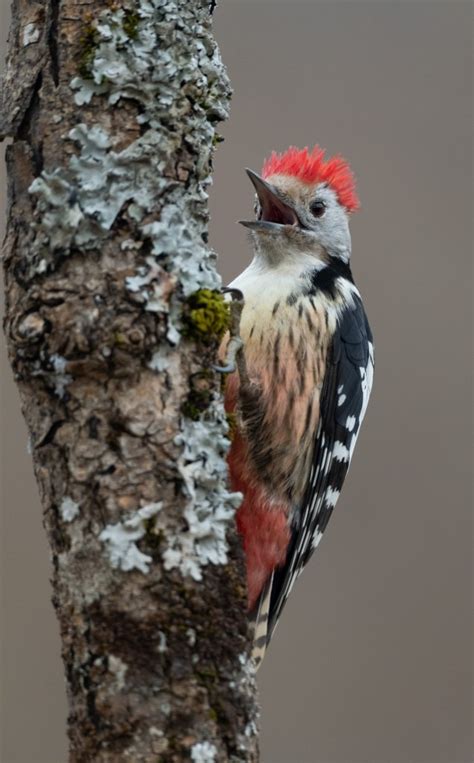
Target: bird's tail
{"points": [[259, 621]]}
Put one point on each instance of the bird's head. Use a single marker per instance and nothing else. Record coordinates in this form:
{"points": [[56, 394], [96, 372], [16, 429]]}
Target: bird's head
{"points": [[303, 205]]}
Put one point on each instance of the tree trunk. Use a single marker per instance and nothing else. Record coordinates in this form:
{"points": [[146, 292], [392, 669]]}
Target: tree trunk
{"points": [[113, 318]]}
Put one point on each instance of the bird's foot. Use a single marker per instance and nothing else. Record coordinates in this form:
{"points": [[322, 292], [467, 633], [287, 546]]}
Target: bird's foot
{"points": [[235, 358]]}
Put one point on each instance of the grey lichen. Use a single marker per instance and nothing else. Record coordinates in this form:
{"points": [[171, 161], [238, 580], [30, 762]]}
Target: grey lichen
{"points": [[31, 34], [68, 509], [203, 752], [60, 378], [210, 507], [121, 539], [163, 645], [144, 67], [119, 669], [246, 681], [80, 203], [161, 358]]}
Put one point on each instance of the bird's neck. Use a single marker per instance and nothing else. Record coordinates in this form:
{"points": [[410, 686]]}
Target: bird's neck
{"points": [[275, 252]]}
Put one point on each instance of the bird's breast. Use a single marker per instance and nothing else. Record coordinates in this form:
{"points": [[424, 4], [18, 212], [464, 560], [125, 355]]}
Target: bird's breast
{"points": [[285, 344]]}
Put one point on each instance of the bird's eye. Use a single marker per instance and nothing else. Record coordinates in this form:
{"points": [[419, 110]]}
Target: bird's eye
{"points": [[318, 208]]}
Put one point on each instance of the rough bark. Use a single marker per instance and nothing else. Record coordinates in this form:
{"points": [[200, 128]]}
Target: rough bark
{"points": [[112, 320]]}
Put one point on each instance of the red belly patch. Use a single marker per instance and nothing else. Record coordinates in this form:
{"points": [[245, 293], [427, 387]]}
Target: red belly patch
{"points": [[262, 523]]}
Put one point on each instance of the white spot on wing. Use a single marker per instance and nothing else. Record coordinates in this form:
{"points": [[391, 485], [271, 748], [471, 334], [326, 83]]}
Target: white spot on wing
{"points": [[366, 377], [340, 452], [350, 423], [316, 538], [341, 399], [331, 496]]}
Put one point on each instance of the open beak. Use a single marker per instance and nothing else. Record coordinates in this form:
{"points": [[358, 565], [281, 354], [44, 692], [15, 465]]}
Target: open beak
{"points": [[274, 211]]}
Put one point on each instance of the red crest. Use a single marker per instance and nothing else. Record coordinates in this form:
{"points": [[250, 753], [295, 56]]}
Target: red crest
{"points": [[312, 167]]}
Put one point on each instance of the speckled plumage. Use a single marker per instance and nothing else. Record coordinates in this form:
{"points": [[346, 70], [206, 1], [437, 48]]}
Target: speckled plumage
{"points": [[309, 356]]}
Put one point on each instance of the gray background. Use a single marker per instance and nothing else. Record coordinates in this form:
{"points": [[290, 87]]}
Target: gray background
{"points": [[370, 663]]}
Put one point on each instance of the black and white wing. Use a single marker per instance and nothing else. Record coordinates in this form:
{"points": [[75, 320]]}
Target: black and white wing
{"points": [[344, 397]]}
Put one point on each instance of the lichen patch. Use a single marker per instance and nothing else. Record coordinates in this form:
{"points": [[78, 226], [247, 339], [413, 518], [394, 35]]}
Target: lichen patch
{"points": [[121, 539], [210, 507], [68, 509], [203, 752]]}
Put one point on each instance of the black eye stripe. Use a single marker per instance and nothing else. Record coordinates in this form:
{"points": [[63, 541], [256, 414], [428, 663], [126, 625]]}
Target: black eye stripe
{"points": [[318, 208]]}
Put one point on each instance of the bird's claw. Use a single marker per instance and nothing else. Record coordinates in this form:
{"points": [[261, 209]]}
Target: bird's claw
{"points": [[234, 359], [235, 293], [233, 348], [228, 369]]}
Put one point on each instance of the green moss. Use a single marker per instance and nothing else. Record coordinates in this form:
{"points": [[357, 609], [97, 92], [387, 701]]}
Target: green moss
{"points": [[130, 24], [207, 673], [120, 338], [206, 316], [200, 395], [89, 42], [190, 411], [152, 536]]}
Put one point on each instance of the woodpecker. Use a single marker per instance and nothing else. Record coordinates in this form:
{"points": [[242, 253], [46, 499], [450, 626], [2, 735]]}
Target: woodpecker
{"points": [[301, 389]]}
